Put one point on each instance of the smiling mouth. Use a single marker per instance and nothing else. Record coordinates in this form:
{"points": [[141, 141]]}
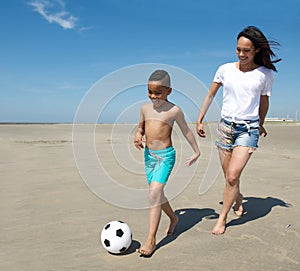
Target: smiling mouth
{"points": [[156, 102]]}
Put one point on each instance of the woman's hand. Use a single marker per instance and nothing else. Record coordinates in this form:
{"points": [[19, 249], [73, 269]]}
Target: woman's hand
{"points": [[262, 131], [200, 130]]}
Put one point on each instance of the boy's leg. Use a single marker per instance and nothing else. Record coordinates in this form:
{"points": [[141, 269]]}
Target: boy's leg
{"points": [[155, 197], [166, 207]]}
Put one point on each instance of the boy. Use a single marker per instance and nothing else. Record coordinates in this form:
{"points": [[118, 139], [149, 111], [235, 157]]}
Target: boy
{"points": [[156, 123]]}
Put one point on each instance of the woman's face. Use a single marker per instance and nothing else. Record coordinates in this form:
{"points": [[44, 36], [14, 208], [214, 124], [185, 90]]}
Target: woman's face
{"points": [[245, 51]]}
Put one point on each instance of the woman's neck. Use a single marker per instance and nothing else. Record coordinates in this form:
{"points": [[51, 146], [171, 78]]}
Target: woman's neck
{"points": [[246, 67]]}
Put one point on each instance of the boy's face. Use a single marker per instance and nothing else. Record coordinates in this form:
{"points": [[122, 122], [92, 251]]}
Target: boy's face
{"points": [[157, 92]]}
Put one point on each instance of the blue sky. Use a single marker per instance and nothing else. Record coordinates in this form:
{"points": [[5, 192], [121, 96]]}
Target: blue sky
{"points": [[53, 51]]}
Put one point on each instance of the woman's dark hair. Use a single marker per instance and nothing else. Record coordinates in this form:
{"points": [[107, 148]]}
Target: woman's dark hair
{"points": [[264, 55]]}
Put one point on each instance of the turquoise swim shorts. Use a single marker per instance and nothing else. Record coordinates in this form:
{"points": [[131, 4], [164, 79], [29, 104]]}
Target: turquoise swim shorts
{"points": [[159, 164]]}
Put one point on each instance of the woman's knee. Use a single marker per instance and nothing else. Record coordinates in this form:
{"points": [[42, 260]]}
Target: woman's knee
{"points": [[232, 179]]}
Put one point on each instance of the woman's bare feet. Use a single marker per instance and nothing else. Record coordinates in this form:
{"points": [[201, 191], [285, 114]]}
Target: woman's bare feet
{"points": [[148, 248], [173, 223], [220, 226], [238, 207]]}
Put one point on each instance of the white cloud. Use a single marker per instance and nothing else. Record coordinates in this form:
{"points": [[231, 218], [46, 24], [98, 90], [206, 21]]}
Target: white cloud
{"points": [[54, 12], [84, 28]]}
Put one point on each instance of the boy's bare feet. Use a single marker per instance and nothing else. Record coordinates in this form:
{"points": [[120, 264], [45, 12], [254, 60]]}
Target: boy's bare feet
{"points": [[238, 207], [147, 249], [220, 226], [173, 223]]}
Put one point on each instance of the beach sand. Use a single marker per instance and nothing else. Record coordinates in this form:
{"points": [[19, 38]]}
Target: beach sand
{"points": [[51, 220]]}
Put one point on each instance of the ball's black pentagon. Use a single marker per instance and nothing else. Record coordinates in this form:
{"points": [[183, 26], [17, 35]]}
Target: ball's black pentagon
{"points": [[106, 242], [119, 233], [120, 221], [107, 226], [123, 249]]}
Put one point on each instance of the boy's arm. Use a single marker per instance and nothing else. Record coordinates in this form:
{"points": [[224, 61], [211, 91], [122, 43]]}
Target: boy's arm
{"points": [[186, 131], [138, 139]]}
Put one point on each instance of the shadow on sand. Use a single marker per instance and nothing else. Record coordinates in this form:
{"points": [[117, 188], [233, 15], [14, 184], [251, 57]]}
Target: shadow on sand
{"points": [[255, 208], [188, 218]]}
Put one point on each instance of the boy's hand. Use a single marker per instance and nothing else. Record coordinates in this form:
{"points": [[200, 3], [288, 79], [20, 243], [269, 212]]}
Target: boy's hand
{"points": [[192, 159], [138, 141]]}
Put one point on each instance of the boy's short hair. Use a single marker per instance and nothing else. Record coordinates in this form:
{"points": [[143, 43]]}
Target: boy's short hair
{"points": [[161, 76]]}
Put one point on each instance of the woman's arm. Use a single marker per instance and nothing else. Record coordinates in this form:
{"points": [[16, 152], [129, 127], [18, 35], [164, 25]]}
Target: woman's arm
{"points": [[263, 110], [204, 107]]}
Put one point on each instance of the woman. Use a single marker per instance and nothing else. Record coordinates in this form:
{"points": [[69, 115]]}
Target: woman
{"points": [[247, 85]]}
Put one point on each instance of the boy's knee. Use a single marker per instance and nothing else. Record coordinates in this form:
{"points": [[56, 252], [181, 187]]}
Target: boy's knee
{"points": [[155, 193], [154, 198]]}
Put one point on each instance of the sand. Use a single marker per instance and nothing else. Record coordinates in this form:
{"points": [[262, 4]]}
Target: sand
{"points": [[51, 219]]}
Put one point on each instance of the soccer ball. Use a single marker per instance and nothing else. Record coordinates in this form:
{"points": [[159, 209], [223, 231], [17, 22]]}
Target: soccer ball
{"points": [[116, 237]]}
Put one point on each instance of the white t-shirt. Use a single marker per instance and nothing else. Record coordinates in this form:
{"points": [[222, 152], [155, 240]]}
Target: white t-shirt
{"points": [[242, 91]]}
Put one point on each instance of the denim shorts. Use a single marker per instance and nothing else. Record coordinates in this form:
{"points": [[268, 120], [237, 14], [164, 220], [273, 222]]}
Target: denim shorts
{"points": [[231, 134]]}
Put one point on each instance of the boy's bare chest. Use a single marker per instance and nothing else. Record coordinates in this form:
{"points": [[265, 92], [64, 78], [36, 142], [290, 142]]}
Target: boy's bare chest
{"points": [[165, 117]]}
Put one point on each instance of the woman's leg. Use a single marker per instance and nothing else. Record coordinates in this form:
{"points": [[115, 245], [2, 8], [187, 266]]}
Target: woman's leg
{"points": [[233, 164], [225, 157]]}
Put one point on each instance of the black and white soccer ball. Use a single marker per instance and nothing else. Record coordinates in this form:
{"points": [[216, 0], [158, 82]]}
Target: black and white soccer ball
{"points": [[116, 237]]}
